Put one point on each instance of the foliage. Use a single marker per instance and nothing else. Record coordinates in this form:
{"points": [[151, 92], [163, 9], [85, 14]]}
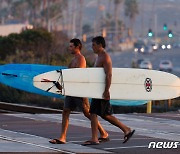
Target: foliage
{"points": [[87, 28], [34, 11], [131, 8], [34, 46]]}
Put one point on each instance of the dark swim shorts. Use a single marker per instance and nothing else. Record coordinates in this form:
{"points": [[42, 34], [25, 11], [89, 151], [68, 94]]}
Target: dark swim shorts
{"points": [[101, 107], [73, 102]]}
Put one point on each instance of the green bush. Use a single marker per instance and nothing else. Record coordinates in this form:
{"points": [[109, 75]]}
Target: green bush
{"points": [[36, 46]]}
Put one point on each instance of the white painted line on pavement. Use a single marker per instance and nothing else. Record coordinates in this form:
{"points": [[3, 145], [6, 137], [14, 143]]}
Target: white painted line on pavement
{"points": [[32, 144], [142, 146]]}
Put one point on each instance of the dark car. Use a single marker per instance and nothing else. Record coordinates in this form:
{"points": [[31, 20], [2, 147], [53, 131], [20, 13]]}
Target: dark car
{"points": [[139, 47]]}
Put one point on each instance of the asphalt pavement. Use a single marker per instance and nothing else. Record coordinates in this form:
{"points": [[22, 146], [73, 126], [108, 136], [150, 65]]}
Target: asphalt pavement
{"points": [[30, 133]]}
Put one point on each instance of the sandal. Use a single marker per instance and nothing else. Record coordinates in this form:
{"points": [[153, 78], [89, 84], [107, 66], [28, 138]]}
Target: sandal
{"points": [[101, 139], [128, 136], [90, 143], [56, 141]]}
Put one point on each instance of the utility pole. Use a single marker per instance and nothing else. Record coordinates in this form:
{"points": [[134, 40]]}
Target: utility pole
{"points": [[74, 7], [116, 12], [80, 18], [155, 20], [96, 22], [142, 19]]}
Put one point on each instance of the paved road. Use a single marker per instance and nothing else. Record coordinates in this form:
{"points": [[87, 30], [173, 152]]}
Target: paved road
{"points": [[124, 59], [31, 132]]}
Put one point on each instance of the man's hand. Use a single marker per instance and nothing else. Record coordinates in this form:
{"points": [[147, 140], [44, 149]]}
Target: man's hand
{"points": [[106, 95]]}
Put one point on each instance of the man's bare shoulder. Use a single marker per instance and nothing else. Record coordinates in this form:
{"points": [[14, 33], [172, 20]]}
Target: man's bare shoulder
{"points": [[81, 60], [107, 57]]}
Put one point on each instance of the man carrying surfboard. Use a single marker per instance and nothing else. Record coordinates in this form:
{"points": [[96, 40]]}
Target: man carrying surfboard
{"points": [[102, 107], [71, 103]]}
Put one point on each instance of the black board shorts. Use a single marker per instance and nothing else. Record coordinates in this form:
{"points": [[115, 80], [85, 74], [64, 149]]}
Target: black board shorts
{"points": [[101, 107], [73, 102]]}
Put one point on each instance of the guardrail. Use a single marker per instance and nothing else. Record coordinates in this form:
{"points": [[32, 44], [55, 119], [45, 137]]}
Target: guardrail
{"points": [[26, 109]]}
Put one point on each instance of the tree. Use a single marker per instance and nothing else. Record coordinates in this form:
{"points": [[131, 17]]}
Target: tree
{"points": [[131, 10], [116, 19], [52, 12], [26, 10], [37, 11], [18, 10], [5, 8]]}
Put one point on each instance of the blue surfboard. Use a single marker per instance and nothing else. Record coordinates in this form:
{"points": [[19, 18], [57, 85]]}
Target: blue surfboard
{"points": [[20, 76]]}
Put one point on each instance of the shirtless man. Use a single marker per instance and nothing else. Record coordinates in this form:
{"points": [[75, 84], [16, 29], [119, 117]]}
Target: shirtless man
{"points": [[102, 107], [71, 103]]}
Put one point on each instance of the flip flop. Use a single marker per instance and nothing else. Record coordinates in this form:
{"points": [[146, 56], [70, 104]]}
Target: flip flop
{"points": [[128, 136], [90, 143], [101, 139], [56, 141]]}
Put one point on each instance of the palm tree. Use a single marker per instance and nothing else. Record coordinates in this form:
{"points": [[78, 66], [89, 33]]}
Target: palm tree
{"points": [[116, 19], [131, 10], [80, 18], [35, 11], [26, 10]]}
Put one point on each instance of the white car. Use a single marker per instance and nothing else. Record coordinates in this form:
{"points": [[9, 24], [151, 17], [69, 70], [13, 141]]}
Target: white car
{"points": [[166, 65], [146, 64]]}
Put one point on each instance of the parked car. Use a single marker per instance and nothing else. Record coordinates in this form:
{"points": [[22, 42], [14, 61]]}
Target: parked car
{"points": [[139, 61], [166, 65], [146, 64]]}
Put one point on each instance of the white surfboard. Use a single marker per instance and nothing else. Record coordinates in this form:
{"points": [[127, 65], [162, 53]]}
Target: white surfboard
{"points": [[127, 83]]}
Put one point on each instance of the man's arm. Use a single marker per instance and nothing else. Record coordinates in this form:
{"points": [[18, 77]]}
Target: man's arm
{"points": [[107, 65]]}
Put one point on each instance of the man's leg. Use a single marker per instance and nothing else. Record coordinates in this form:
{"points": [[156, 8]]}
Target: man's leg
{"points": [[114, 121], [86, 107], [94, 127], [65, 124]]}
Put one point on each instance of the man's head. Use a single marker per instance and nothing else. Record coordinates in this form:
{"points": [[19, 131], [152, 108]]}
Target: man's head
{"points": [[98, 43], [75, 45]]}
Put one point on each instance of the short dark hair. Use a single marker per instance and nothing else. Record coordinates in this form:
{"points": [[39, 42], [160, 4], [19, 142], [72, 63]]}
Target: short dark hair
{"points": [[76, 42], [99, 40]]}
